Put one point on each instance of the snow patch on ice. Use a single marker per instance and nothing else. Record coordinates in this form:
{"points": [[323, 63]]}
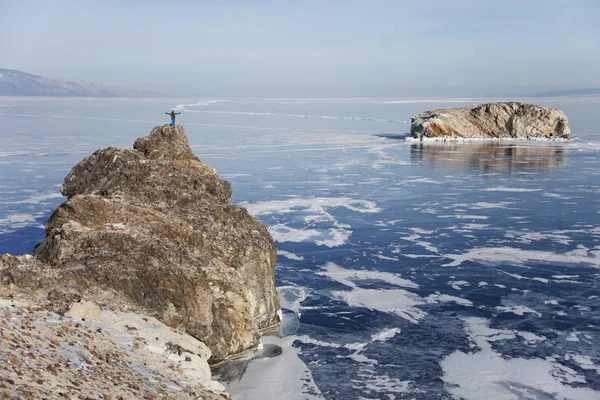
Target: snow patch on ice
{"points": [[384, 383], [348, 276], [572, 337], [510, 189], [466, 216], [585, 362], [185, 107], [484, 205], [385, 334], [398, 301], [283, 233], [37, 198], [12, 222], [486, 374], [518, 256], [423, 243], [283, 377], [474, 226], [289, 255], [520, 277], [445, 298], [529, 237], [518, 310], [424, 180], [309, 205], [457, 285], [321, 226]]}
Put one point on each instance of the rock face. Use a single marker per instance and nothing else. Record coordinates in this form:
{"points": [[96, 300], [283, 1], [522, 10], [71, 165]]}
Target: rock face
{"points": [[156, 225], [493, 120]]}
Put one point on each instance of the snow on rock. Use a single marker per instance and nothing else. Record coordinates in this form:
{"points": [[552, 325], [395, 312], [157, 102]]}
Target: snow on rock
{"points": [[94, 353]]}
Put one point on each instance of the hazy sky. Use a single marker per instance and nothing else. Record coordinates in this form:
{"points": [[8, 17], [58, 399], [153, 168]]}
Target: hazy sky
{"points": [[309, 48]]}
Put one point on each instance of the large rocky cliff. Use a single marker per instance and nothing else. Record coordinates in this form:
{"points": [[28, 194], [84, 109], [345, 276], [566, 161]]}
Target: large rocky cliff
{"points": [[152, 230], [157, 225], [492, 121]]}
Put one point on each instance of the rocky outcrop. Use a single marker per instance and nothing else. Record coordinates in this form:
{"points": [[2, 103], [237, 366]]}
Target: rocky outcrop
{"points": [[157, 226], [492, 121]]}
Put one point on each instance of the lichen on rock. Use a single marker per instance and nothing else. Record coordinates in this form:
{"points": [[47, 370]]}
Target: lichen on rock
{"points": [[509, 120]]}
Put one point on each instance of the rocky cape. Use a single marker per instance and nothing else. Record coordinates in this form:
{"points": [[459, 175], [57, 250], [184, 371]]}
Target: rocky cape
{"points": [[510, 120], [152, 231]]}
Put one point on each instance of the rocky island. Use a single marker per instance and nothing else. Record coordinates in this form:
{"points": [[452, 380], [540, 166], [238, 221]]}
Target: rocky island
{"points": [[510, 120], [146, 274]]}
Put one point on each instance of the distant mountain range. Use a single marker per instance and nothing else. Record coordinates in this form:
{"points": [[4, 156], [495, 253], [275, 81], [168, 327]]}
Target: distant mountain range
{"points": [[18, 83], [576, 92]]}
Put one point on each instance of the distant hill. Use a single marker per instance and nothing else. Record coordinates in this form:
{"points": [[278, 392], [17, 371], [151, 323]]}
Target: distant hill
{"points": [[576, 92], [17, 83]]}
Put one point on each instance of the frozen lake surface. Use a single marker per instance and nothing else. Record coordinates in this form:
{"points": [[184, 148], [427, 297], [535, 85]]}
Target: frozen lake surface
{"points": [[406, 270]]}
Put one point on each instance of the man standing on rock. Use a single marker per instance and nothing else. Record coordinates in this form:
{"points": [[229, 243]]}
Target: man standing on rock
{"points": [[172, 114]]}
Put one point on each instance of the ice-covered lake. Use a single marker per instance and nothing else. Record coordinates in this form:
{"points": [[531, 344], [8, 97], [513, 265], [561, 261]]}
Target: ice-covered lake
{"points": [[406, 270]]}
